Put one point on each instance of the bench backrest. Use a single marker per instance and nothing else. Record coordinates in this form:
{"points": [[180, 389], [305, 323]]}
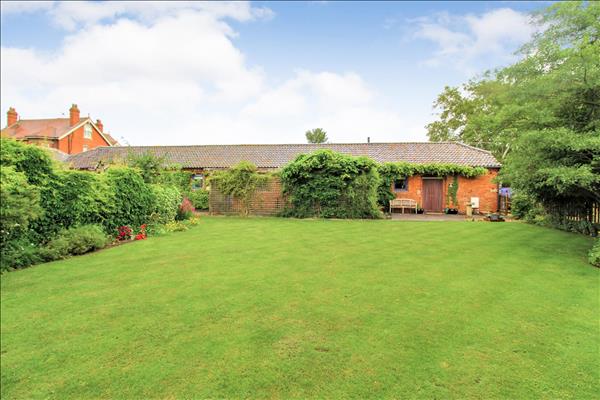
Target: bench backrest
{"points": [[403, 203]]}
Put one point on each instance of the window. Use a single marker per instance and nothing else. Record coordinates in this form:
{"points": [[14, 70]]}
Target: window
{"points": [[401, 185], [85, 147], [197, 181], [87, 131]]}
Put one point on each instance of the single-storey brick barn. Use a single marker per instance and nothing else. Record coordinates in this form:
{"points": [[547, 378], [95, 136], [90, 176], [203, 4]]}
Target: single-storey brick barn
{"points": [[428, 191]]}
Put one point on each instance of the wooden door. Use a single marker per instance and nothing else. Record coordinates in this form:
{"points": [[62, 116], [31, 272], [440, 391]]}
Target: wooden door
{"points": [[432, 195]]}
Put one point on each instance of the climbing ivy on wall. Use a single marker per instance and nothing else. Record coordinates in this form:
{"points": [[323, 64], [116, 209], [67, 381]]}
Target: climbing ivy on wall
{"points": [[331, 185], [241, 182], [453, 192], [392, 171]]}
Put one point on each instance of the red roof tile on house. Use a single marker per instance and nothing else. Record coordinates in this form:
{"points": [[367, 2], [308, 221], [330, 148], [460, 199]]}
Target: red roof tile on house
{"points": [[273, 156], [46, 128]]}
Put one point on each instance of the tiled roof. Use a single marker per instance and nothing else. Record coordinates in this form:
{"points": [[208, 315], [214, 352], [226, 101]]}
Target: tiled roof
{"points": [[46, 128], [112, 140], [49, 128], [273, 156]]}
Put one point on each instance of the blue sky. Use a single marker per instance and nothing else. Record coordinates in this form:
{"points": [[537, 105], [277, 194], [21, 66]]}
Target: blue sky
{"points": [[260, 72]]}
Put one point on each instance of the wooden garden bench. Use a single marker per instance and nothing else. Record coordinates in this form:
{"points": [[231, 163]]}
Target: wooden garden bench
{"points": [[403, 203]]}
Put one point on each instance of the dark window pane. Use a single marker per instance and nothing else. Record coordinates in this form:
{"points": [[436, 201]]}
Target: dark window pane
{"points": [[400, 185]]}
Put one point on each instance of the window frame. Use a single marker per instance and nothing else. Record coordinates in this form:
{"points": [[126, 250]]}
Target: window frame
{"points": [[87, 131], [197, 178], [404, 187]]}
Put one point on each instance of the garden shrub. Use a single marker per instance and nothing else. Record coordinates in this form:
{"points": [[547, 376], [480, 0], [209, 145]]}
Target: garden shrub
{"points": [[166, 203], [176, 226], [199, 199], [594, 255], [185, 210], [241, 182], [19, 253], [331, 185], [71, 198], [75, 241], [35, 162], [19, 204], [133, 200]]}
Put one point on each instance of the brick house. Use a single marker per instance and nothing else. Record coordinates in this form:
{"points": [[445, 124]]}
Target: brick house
{"points": [[429, 191], [65, 135]]}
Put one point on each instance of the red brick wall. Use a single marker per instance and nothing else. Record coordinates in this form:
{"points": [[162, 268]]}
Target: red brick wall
{"points": [[77, 141], [481, 186], [270, 201]]}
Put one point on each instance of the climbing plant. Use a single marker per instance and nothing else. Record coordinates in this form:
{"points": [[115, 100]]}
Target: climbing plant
{"points": [[331, 185], [453, 191], [241, 182], [392, 171]]}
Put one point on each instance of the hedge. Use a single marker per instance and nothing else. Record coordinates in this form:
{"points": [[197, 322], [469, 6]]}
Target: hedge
{"points": [[41, 202]]}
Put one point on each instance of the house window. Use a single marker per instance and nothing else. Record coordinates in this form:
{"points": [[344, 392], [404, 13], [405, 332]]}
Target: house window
{"points": [[85, 147], [87, 131], [197, 182], [401, 185]]}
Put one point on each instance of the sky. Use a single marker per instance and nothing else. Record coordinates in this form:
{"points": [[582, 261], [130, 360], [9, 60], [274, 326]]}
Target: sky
{"points": [[251, 72]]}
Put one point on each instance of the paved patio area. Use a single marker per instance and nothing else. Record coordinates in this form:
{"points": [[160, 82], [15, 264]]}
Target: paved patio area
{"points": [[434, 217]]}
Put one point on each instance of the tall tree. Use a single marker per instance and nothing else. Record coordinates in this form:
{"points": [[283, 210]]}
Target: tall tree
{"points": [[556, 84], [316, 135]]}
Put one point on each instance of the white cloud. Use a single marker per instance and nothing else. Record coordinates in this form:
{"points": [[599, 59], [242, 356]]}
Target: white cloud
{"points": [[470, 42], [174, 76], [19, 7]]}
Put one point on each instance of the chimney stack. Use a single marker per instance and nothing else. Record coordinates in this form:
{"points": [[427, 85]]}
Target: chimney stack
{"points": [[99, 125], [73, 115], [368, 139], [11, 116]]}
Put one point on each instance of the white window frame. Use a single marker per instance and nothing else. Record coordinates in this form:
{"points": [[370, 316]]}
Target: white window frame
{"points": [[87, 131]]}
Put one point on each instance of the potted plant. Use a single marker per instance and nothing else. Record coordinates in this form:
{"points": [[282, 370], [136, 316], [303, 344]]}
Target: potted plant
{"points": [[420, 209]]}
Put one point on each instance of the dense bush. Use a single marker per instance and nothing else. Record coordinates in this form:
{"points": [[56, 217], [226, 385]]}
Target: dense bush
{"points": [[594, 255], [19, 253], [185, 210], [19, 204], [166, 203], [331, 185], [199, 199], [72, 198], [41, 203], [75, 241], [133, 200], [35, 162]]}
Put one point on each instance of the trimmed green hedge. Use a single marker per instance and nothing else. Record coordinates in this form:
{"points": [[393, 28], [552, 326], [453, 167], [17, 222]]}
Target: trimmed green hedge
{"points": [[42, 202], [133, 200]]}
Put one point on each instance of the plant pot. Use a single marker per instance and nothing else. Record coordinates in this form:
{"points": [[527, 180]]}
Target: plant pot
{"points": [[420, 211], [451, 210]]}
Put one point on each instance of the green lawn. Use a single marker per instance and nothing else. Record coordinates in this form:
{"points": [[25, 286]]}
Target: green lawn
{"points": [[279, 308]]}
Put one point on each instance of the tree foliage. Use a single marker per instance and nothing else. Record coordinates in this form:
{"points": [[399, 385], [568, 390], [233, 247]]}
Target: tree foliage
{"points": [[556, 84], [316, 135], [539, 116]]}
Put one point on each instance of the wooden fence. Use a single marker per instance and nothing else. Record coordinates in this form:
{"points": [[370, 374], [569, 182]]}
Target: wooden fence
{"points": [[587, 212]]}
